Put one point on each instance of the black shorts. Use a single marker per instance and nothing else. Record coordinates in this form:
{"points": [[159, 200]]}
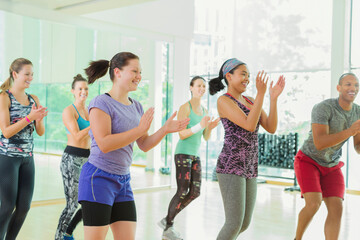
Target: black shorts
{"points": [[98, 214]]}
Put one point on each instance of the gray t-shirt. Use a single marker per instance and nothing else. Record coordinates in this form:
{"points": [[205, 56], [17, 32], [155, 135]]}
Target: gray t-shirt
{"points": [[329, 112], [123, 118]]}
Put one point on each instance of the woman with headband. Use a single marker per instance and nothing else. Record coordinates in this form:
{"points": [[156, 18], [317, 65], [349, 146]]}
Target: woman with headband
{"points": [[237, 165], [187, 155]]}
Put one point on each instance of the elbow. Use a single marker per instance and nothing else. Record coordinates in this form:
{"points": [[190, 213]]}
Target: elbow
{"points": [[318, 146], [103, 148], [40, 133], [272, 131], [251, 129], [6, 135], [143, 148]]}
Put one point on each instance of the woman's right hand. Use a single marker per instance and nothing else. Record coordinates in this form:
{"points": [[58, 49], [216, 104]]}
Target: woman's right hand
{"points": [[146, 120], [205, 121], [37, 113], [261, 82]]}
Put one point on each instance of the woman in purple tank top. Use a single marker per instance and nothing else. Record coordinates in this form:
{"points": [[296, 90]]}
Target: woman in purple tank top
{"points": [[116, 122], [237, 165]]}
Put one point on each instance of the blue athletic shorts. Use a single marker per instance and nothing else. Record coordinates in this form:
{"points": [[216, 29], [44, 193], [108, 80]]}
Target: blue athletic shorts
{"points": [[96, 185]]}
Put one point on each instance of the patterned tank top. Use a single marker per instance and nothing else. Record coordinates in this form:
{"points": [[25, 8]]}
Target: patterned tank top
{"points": [[21, 144], [240, 151]]}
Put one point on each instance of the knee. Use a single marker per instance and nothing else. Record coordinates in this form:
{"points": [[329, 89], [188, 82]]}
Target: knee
{"points": [[181, 193], [195, 193], [22, 209], [245, 226], [313, 206]]}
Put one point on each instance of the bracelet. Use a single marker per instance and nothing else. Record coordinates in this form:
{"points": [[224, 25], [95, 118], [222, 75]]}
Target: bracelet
{"points": [[196, 128], [27, 119]]}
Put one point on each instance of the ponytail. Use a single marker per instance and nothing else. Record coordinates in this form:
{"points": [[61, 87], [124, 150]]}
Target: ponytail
{"points": [[215, 84], [15, 66], [97, 69], [6, 85]]}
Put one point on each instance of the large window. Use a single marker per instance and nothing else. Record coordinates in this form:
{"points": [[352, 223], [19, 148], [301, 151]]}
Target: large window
{"points": [[60, 51], [280, 37]]}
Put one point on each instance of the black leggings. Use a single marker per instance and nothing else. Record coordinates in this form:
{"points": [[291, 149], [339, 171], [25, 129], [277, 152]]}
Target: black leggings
{"points": [[16, 191], [188, 178]]}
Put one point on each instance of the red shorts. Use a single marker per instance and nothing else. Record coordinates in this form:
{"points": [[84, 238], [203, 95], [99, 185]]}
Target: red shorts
{"points": [[313, 177]]}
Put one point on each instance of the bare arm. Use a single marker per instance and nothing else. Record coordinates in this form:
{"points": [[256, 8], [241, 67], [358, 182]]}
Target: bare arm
{"points": [[147, 142], [39, 121], [210, 127], [269, 123], [100, 124], [69, 120], [322, 138], [184, 112], [227, 108], [357, 143], [8, 130]]}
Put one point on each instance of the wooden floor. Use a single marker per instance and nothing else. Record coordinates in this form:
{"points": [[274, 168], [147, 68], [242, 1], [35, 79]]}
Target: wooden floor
{"points": [[274, 217]]}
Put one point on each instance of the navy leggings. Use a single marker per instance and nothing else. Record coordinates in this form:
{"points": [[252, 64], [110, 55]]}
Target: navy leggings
{"points": [[16, 191], [188, 178]]}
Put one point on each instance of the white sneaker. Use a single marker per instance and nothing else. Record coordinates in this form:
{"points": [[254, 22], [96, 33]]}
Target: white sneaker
{"points": [[171, 234], [162, 223]]}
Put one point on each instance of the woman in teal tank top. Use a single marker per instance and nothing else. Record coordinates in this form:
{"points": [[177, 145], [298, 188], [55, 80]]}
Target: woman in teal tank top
{"points": [[76, 153], [187, 156]]}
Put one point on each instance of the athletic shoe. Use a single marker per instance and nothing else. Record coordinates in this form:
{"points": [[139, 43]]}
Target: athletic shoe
{"points": [[68, 237], [162, 223], [171, 234]]}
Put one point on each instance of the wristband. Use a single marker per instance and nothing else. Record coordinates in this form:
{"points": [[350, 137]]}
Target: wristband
{"points": [[27, 119], [196, 128]]}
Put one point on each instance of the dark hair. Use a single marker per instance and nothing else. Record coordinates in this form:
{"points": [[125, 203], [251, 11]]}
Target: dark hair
{"points": [[97, 69], [347, 74], [215, 84], [15, 66], [194, 79], [77, 78]]}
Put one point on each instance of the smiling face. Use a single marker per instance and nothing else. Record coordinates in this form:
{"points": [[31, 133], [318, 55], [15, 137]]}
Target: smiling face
{"points": [[198, 88], [80, 91], [23, 78], [348, 88], [239, 79], [129, 76]]}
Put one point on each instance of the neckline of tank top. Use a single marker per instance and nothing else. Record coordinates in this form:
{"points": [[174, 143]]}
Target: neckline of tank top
{"points": [[29, 98], [132, 102], [79, 114], [248, 100], [203, 111]]}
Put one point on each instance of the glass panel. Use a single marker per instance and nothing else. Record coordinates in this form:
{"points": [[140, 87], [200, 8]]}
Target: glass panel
{"points": [[355, 33]]}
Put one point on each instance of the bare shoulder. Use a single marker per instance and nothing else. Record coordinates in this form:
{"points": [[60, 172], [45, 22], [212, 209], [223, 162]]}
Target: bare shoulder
{"points": [[4, 97], [185, 108]]}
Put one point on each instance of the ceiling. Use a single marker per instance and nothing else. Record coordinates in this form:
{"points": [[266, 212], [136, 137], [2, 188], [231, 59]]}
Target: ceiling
{"points": [[79, 7]]}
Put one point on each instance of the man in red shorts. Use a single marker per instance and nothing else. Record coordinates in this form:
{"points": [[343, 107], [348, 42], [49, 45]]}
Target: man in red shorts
{"points": [[317, 165]]}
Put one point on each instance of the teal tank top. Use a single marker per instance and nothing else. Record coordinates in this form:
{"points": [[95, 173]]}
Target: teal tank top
{"points": [[191, 145], [80, 121]]}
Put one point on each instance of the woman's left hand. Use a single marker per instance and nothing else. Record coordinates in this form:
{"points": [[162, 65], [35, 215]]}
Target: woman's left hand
{"points": [[172, 125], [276, 90]]}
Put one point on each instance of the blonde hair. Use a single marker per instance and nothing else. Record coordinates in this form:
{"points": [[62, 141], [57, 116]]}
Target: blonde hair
{"points": [[15, 66]]}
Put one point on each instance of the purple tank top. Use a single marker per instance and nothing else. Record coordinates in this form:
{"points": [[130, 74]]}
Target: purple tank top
{"points": [[123, 118], [240, 151]]}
